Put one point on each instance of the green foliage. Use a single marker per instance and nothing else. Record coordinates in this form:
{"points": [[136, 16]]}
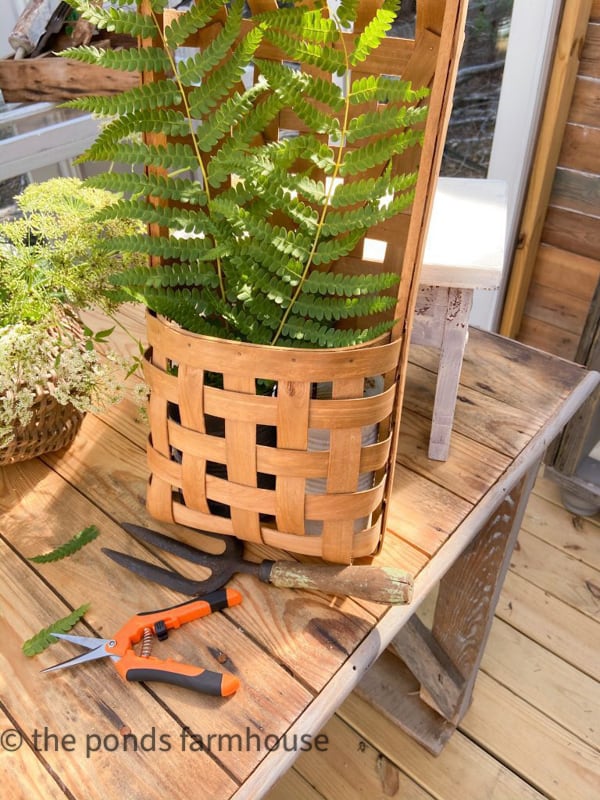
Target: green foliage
{"points": [[49, 254], [44, 638], [74, 544], [252, 229], [56, 259]]}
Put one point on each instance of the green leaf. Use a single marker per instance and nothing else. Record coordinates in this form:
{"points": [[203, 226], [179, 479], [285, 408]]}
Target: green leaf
{"points": [[308, 52], [117, 20], [150, 95], [132, 59], [221, 82], [139, 185], [379, 152], [196, 17], [384, 121], [374, 32], [194, 70], [44, 638], [73, 545]]}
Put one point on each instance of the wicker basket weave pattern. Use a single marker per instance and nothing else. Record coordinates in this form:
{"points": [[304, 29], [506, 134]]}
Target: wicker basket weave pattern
{"points": [[52, 426], [264, 486]]}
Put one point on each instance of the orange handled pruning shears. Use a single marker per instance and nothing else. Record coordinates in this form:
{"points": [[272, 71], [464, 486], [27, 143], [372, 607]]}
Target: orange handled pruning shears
{"points": [[144, 667]]}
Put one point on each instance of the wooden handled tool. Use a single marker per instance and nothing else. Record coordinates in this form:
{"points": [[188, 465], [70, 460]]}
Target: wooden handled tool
{"points": [[380, 584], [31, 26]]}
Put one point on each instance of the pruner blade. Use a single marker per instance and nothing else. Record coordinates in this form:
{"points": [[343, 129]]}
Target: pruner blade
{"points": [[95, 648]]}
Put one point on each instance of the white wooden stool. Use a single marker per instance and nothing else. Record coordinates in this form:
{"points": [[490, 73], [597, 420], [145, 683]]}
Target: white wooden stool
{"points": [[464, 251]]}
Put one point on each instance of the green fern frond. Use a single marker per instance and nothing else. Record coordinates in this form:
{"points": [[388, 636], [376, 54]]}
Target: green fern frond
{"points": [[195, 18], [378, 152], [384, 89], [300, 22], [178, 219], [308, 52], [294, 87], [218, 84], [289, 243], [174, 156], [145, 59], [219, 124], [167, 120], [361, 218], [304, 216], [347, 11], [302, 332], [74, 544], [329, 250], [44, 638], [253, 221], [189, 306], [374, 32], [182, 274], [333, 310], [195, 69], [167, 247], [362, 190], [376, 123], [152, 185], [341, 285], [86, 54], [150, 95], [117, 20], [312, 191]]}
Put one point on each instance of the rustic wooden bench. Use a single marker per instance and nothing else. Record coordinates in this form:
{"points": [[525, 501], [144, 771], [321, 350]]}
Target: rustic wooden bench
{"points": [[88, 734]]}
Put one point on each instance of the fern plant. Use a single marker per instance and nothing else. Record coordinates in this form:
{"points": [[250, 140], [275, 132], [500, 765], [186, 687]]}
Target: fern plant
{"points": [[248, 233]]}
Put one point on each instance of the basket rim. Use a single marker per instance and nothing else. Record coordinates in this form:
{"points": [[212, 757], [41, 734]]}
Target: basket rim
{"points": [[384, 341]]}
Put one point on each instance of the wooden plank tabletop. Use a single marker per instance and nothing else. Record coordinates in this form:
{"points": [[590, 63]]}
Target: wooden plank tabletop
{"points": [[85, 733]]}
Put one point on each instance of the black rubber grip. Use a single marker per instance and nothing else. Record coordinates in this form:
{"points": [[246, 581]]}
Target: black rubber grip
{"points": [[217, 601], [207, 682]]}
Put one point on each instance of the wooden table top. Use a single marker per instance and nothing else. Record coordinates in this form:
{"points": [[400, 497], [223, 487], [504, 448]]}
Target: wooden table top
{"points": [[297, 654]]}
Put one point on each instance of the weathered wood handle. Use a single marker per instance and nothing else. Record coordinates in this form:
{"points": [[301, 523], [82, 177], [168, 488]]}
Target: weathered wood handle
{"points": [[380, 584], [31, 25]]}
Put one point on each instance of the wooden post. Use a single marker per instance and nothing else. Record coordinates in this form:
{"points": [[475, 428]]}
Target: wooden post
{"points": [[576, 15]]}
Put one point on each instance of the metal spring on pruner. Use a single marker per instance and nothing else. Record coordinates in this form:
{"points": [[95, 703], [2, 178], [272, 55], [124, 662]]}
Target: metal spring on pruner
{"points": [[147, 640]]}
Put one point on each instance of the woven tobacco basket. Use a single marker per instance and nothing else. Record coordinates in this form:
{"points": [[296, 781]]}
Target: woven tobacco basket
{"points": [[262, 492], [52, 427], [321, 484]]}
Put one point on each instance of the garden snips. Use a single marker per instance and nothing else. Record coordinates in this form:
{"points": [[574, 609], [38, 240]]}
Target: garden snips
{"points": [[145, 667]]}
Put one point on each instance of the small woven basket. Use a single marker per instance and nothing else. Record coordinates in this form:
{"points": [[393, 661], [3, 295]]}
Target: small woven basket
{"points": [[228, 459], [52, 427]]}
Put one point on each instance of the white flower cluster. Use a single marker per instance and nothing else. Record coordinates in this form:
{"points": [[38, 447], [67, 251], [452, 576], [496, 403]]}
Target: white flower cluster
{"points": [[32, 360]]}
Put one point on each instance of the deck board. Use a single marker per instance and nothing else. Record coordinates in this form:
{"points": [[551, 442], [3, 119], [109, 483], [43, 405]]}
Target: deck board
{"points": [[533, 731]]}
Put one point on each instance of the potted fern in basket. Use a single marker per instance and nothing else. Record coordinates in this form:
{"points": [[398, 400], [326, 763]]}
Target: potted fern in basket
{"points": [[50, 270], [270, 146]]}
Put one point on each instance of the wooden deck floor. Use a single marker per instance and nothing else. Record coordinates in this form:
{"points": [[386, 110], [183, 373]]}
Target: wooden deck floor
{"points": [[533, 730]]}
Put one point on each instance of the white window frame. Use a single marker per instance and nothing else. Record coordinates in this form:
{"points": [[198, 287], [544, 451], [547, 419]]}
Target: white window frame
{"points": [[528, 61]]}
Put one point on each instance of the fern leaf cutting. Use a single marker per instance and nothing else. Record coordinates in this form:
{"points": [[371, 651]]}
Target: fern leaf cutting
{"points": [[44, 638], [68, 548]]}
